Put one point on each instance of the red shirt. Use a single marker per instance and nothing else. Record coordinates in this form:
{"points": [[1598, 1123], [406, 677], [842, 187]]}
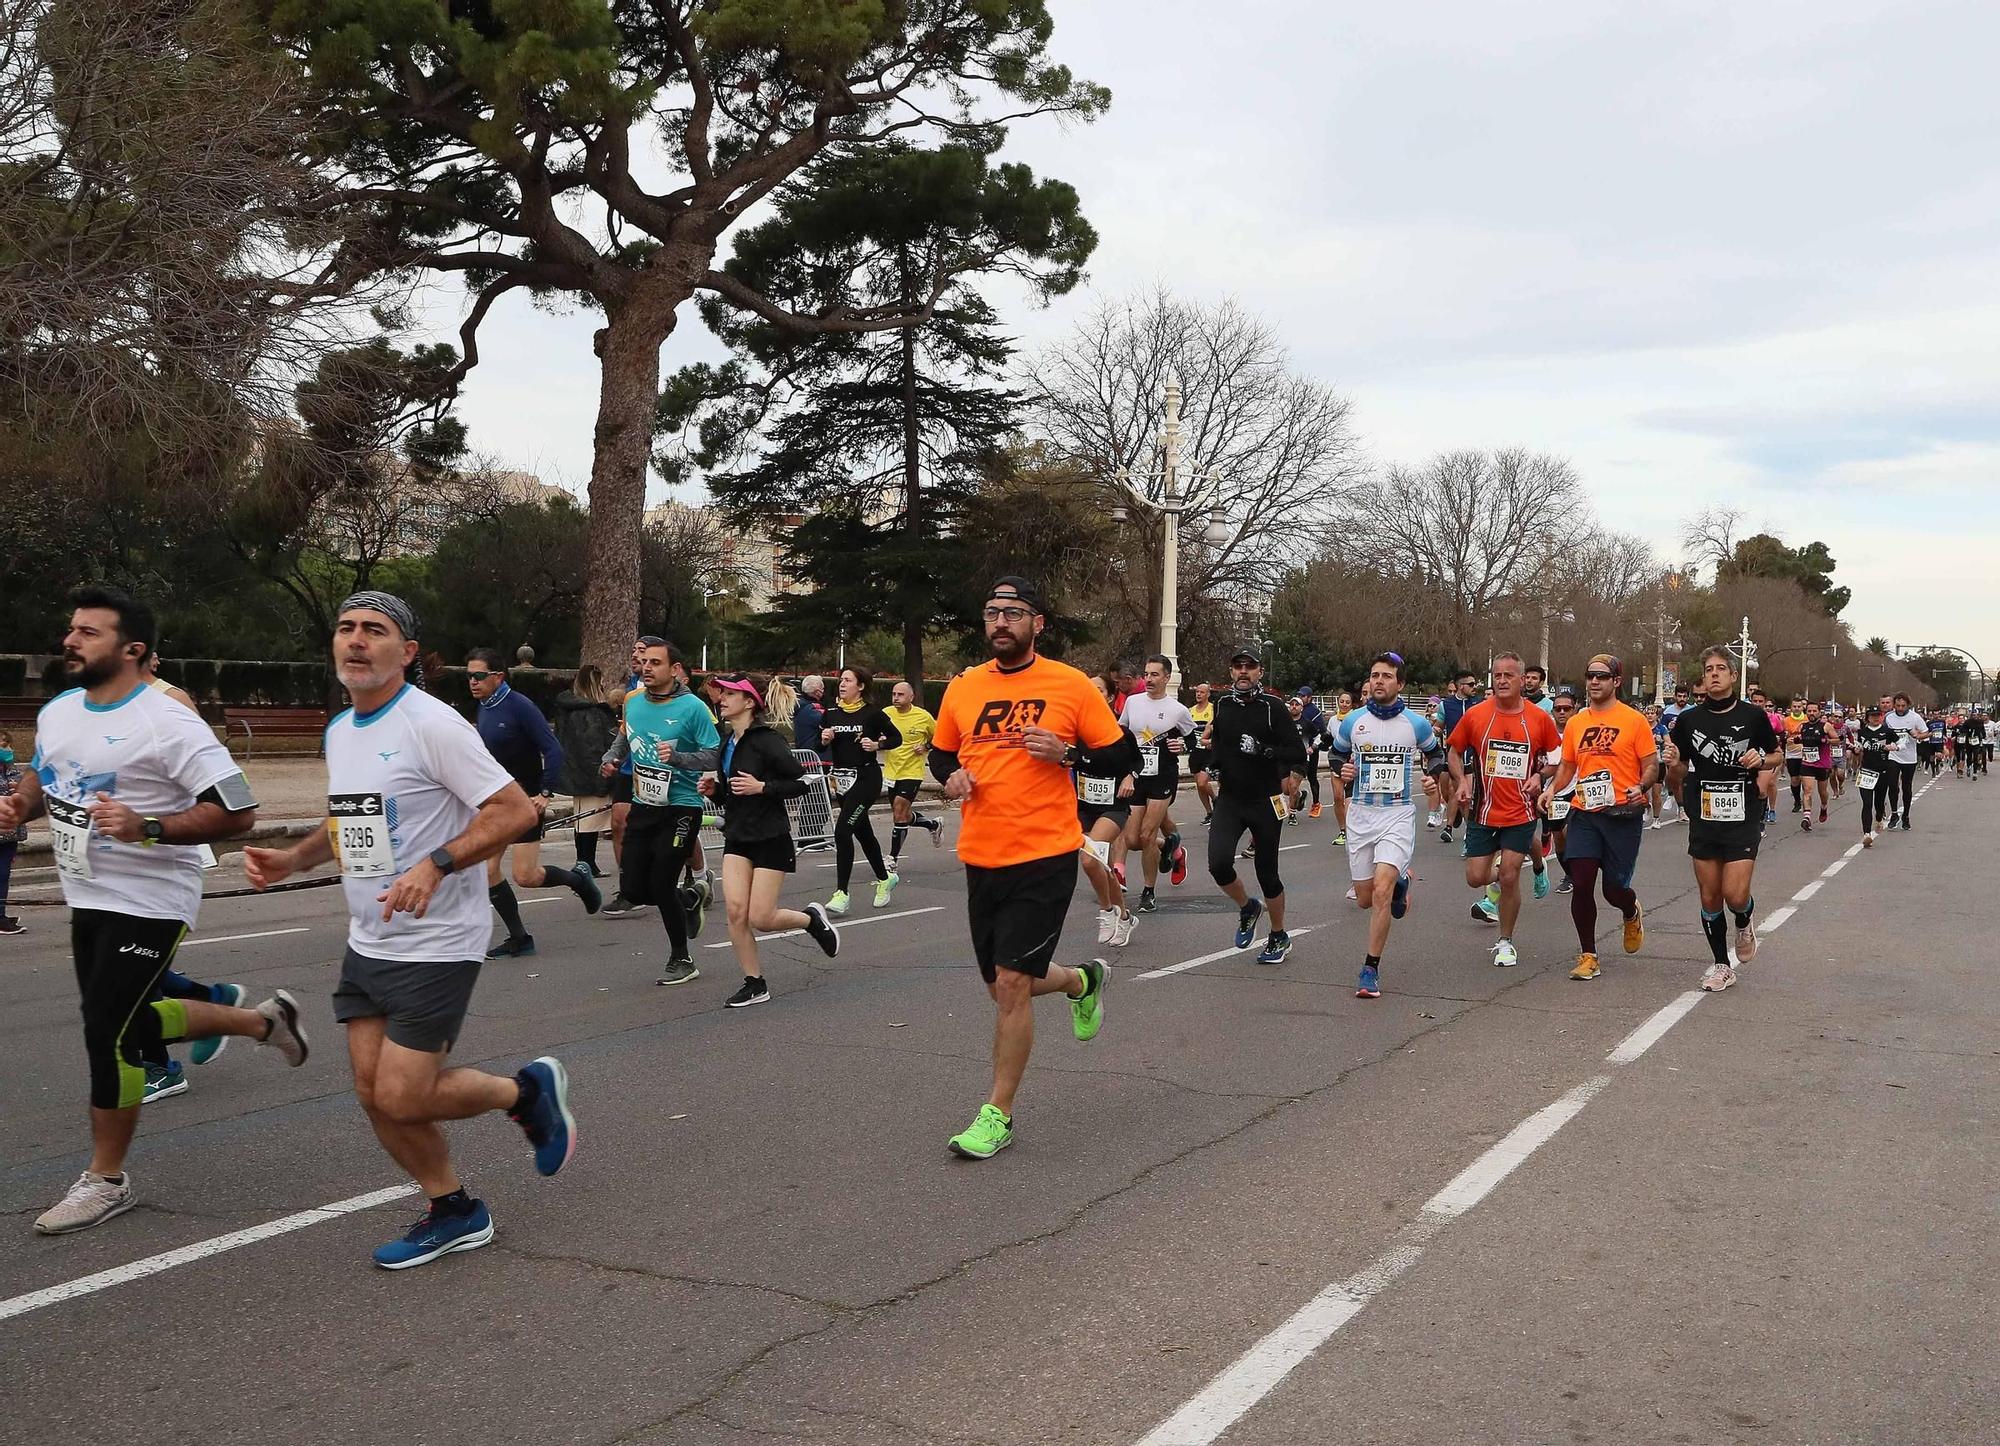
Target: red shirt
{"points": [[1504, 743]]}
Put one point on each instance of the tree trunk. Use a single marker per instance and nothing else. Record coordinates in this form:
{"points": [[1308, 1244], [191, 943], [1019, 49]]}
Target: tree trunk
{"points": [[913, 495], [628, 351]]}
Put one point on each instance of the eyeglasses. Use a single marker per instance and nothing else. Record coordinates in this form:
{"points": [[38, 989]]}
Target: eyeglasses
{"points": [[1600, 677], [1012, 615], [477, 677]]}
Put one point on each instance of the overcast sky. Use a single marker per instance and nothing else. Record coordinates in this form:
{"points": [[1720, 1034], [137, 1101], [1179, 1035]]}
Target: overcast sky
{"points": [[1727, 253]]}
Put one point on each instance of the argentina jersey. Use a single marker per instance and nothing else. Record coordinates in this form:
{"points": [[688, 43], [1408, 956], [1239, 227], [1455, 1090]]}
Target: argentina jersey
{"points": [[1387, 753]]}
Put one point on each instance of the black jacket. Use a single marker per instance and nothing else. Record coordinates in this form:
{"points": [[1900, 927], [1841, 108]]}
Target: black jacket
{"points": [[1255, 742], [585, 728], [761, 753]]}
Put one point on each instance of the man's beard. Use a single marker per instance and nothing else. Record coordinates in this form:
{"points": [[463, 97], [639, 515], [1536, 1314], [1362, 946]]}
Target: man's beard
{"points": [[1007, 647], [90, 675]]}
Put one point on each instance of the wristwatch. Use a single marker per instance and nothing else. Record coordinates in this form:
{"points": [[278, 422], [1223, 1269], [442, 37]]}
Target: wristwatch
{"points": [[441, 860], [1069, 755], [152, 831]]}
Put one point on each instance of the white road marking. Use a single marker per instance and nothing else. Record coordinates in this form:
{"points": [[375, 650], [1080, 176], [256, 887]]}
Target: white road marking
{"points": [[1833, 868], [1648, 1034], [1187, 964], [1775, 919], [1854, 852], [1258, 1370], [200, 1250], [232, 938], [1808, 891], [842, 923], [1287, 848]]}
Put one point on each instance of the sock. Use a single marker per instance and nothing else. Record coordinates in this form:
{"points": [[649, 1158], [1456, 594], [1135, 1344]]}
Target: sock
{"points": [[554, 878], [897, 834], [1492, 893], [932, 824], [1280, 935], [1371, 961], [501, 896], [456, 1203], [1718, 935], [117, 1179], [586, 850], [1540, 867], [1743, 917]]}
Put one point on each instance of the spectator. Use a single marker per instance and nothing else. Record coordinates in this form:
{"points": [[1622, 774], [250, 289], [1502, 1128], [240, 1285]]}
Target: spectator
{"points": [[10, 842], [586, 724], [807, 715]]}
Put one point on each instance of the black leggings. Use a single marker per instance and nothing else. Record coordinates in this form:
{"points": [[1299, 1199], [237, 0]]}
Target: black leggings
{"points": [[1584, 874], [1227, 826], [1875, 802], [1900, 776], [658, 842], [119, 963], [1312, 774], [850, 822]]}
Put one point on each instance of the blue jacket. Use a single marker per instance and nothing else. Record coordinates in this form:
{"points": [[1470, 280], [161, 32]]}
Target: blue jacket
{"points": [[515, 733], [805, 724]]}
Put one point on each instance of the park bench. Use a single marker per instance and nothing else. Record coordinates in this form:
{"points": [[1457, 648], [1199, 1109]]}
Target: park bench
{"points": [[274, 723], [17, 716]]}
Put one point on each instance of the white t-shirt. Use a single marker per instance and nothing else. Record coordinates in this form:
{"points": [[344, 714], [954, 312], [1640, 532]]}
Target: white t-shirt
{"points": [[1909, 728], [153, 756], [407, 779], [1150, 720]]}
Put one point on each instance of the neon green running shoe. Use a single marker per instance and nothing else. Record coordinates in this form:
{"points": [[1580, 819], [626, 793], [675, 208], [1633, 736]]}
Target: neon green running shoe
{"points": [[1087, 1012], [989, 1133], [837, 905], [884, 888]]}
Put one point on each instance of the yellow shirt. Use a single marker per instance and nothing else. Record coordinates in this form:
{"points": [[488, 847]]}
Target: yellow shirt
{"points": [[907, 761]]}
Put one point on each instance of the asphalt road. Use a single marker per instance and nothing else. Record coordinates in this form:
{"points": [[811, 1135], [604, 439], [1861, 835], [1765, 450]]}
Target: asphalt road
{"points": [[1255, 1207]]}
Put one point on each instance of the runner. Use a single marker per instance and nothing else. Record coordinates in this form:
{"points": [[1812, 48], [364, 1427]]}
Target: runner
{"points": [[1555, 813], [131, 783], [1770, 775], [903, 770], [616, 766], [854, 735], [1201, 762], [1514, 748], [1258, 756], [520, 739], [1534, 688], [1163, 728], [1451, 710], [413, 803], [1902, 777], [1714, 757], [1873, 745], [672, 740], [1104, 794], [1836, 736], [11, 839], [1382, 748], [1313, 728], [755, 774], [1007, 731], [1815, 762], [1608, 754]]}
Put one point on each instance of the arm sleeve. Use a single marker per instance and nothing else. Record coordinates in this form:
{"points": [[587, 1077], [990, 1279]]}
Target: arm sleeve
{"points": [[887, 734], [943, 762], [1116, 759], [546, 743], [1761, 733]]}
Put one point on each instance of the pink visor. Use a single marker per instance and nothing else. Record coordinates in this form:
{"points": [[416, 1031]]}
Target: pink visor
{"points": [[741, 685]]}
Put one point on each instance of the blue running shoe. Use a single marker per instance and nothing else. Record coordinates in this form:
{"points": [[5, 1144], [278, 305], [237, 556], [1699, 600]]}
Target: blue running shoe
{"points": [[436, 1235], [548, 1124], [1371, 983], [1399, 902], [1542, 883], [201, 1051], [1246, 923], [1276, 948]]}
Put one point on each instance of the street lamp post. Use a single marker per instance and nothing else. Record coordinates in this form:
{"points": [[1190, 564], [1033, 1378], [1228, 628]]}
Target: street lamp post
{"points": [[1948, 648], [1171, 503], [1672, 582], [706, 594]]}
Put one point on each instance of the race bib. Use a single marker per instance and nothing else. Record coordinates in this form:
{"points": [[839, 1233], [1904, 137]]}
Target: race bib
{"points": [[1383, 772], [1558, 810], [358, 824], [1722, 803], [651, 786], [1149, 762], [1868, 778], [1278, 806], [1596, 791], [70, 824], [1097, 792], [841, 780], [1507, 760], [1795, 750]]}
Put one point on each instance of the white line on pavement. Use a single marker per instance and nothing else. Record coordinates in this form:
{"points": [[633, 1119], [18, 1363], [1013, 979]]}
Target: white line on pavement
{"points": [[1808, 891], [1833, 868], [1477, 1180], [1187, 964], [200, 1250], [842, 923], [1775, 919], [232, 938], [1854, 852], [1287, 848], [1648, 1034]]}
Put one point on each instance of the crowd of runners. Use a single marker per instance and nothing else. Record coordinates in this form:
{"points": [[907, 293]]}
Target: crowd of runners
{"points": [[1052, 773]]}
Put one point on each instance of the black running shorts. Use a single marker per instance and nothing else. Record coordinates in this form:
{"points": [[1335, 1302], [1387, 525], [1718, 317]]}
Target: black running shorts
{"points": [[1728, 842], [777, 854], [1016, 913]]}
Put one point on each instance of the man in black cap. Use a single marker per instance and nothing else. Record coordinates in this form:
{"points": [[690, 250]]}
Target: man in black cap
{"points": [[1259, 757]]}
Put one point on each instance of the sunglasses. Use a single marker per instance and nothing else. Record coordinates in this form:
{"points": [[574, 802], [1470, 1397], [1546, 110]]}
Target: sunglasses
{"points": [[479, 677], [1600, 677]]}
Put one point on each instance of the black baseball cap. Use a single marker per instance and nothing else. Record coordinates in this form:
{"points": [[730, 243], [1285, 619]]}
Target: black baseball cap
{"points": [[1014, 588], [1248, 650]]}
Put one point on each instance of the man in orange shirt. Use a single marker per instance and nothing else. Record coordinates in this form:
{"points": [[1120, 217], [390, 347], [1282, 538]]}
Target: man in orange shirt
{"points": [[1008, 732], [1610, 757], [1513, 748]]}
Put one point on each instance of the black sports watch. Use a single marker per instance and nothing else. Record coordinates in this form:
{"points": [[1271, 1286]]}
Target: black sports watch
{"points": [[1069, 755], [152, 831], [441, 860]]}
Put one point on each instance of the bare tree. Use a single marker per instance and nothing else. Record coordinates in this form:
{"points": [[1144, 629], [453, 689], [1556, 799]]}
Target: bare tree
{"points": [[1709, 538], [1271, 449]]}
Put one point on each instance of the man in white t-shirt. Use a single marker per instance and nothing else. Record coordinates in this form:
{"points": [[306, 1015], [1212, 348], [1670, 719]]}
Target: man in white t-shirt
{"points": [[133, 784], [1165, 731], [414, 804], [1910, 730]]}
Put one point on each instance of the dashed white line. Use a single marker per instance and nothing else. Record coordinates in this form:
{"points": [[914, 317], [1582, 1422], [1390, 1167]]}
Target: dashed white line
{"points": [[232, 938], [1833, 868], [1808, 891], [1187, 964], [1775, 919], [1648, 1034], [200, 1250], [1476, 1181], [1854, 852], [844, 924]]}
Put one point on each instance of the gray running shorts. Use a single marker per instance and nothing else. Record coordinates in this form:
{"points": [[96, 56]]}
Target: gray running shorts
{"points": [[424, 1003]]}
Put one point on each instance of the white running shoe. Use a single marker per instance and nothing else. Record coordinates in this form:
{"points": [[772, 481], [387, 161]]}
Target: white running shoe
{"points": [[1121, 933], [92, 1200], [1504, 956], [1718, 978], [1107, 924]]}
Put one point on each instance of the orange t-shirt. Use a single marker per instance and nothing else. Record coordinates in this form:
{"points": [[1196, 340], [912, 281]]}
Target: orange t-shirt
{"points": [[1525, 739], [1021, 808], [1614, 743]]}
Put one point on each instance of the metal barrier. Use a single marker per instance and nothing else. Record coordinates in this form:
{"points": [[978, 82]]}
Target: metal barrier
{"points": [[812, 811]]}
